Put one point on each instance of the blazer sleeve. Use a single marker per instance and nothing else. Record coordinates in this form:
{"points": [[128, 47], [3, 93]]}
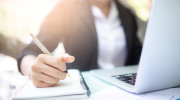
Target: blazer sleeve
{"points": [[50, 34]]}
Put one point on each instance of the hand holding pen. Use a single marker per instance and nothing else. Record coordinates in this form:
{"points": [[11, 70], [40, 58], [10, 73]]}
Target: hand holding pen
{"points": [[47, 69]]}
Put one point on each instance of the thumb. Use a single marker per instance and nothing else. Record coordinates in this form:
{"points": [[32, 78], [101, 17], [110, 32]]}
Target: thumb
{"points": [[67, 58]]}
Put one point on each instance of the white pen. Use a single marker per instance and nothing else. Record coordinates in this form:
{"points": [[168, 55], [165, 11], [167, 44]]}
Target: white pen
{"points": [[43, 48]]}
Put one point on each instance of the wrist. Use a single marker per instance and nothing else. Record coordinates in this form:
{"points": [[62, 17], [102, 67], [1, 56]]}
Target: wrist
{"points": [[26, 64]]}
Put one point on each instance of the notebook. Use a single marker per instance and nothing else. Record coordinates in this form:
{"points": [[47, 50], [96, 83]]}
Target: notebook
{"points": [[69, 88]]}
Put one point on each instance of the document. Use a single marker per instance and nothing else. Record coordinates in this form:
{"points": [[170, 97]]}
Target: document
{"points": [[115, 93], [65, 89]]}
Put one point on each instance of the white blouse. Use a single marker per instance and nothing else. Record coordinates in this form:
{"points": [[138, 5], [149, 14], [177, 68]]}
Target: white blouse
{"points": [[112, 50]]}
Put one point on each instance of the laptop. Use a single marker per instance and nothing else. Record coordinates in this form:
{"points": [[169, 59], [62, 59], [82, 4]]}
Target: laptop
{"points": [[159, 66]]}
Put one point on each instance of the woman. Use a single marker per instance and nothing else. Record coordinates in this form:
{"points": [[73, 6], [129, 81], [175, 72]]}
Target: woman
{"points": [[98, 33]]}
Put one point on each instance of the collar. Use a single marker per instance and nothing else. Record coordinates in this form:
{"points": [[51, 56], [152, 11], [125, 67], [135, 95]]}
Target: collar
{"points": [[113, 13]]}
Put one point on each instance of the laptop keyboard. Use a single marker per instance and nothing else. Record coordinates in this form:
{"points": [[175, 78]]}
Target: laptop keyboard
{"points": [[127, 78]]}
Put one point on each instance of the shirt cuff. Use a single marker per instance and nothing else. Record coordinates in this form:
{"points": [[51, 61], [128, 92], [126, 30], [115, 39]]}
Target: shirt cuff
{"points": [[19, 59]]}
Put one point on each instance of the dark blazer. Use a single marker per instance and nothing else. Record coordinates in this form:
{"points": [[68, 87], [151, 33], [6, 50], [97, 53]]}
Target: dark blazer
{"points": [[72, 22]]}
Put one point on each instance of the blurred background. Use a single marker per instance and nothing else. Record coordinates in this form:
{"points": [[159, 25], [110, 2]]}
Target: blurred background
{"points": [[20, 17]]}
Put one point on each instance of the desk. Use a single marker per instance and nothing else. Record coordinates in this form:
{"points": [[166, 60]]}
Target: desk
{"points": [[95, 84]]}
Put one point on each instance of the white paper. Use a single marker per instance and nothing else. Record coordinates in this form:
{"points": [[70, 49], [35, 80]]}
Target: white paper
{"points": [[115, 93], [64, 87]]}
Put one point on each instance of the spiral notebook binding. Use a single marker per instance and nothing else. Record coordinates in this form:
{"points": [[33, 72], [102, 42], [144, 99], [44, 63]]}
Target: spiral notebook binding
{"points": [[84, 85]]}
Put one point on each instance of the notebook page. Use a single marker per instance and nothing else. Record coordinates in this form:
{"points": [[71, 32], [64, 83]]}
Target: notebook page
{"points": [[64, 87], [115, 93]]}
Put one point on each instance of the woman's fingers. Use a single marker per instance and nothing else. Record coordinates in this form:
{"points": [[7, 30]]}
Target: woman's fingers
{"points": [[67, 58], [52, 61], [45, 78], [48, 70]]}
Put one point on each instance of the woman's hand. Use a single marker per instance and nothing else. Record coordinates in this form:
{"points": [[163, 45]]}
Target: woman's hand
{"points": [[47, 70]]}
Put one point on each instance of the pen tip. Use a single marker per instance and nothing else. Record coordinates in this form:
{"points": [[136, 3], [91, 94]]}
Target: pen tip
{"points": [[68, 75]]}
